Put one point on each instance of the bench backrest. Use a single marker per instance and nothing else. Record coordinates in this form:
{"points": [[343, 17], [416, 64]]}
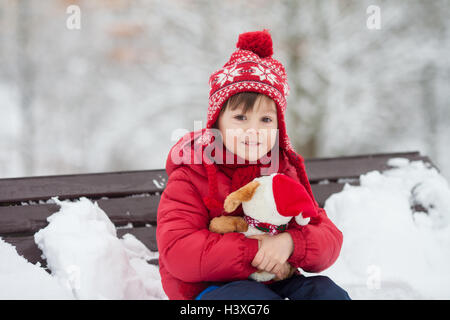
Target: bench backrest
{"points": [[131, 198]]}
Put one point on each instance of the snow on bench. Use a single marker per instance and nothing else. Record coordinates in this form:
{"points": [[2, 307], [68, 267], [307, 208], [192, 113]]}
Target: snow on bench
{"points": [[131, 198]]}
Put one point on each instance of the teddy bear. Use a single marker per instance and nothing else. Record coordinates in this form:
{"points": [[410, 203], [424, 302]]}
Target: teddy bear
{"points": [[269, 203]]}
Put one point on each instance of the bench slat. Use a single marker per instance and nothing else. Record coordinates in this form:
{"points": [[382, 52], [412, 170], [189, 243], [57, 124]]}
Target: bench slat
{"points": [[96, 185], [352, 167], [323, 191], [27, 248], [121, 211]]}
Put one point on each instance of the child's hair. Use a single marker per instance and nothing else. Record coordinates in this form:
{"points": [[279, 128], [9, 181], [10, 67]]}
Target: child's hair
{"points": [[247, 98]]}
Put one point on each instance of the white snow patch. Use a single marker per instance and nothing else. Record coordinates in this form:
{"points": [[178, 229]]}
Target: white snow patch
{"points": [[20, 279], [82, 250], [158, 184], [390, 251]]}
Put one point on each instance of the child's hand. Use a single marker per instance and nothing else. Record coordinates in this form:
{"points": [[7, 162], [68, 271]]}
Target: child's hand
{"points": [[273, 252]]}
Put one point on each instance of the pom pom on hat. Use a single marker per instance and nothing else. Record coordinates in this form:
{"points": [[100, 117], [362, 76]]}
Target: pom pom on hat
{"points": [[259, 42]]}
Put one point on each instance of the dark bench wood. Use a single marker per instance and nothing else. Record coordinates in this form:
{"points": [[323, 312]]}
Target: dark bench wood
{"points": [[131, 198]]}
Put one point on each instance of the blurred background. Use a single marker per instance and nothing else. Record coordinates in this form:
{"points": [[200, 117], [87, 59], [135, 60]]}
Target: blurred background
{"points": [[109, 95]]}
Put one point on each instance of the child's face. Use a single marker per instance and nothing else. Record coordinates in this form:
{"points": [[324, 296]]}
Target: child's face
{"points": [[251, 135]]}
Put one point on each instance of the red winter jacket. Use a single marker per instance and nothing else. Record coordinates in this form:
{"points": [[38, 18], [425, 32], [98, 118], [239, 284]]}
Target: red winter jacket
{"points": [[191, 257]]}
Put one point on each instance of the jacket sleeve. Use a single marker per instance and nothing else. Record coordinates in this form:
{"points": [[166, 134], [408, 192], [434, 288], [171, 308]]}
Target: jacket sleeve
{"points": [[189, 251], [316, 246]]}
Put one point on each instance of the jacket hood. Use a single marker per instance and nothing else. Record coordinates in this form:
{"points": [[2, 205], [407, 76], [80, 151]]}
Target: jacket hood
{"points": [[188, 151]]}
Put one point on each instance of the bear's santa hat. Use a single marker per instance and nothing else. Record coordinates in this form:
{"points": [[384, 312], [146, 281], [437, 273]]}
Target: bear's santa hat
{"points": [[292, 199]]}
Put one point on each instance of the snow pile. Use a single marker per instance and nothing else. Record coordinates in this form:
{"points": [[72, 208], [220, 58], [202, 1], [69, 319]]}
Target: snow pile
{"points": [[396, 234], [20, 279], [84, 254]]}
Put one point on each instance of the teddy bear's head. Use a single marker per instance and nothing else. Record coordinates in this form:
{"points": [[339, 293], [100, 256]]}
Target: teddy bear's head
{"points": [[273, 199]]}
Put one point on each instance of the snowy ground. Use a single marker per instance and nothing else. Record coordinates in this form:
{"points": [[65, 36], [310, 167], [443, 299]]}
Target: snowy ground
{"points": [[389, 252]]}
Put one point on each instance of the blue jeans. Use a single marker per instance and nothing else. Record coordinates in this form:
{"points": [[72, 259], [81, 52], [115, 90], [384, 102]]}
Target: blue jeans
{"points": [[298, 287]]}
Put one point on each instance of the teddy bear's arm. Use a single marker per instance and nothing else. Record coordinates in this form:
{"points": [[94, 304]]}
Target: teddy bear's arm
{"points": [[225, 224], [290, 274]]}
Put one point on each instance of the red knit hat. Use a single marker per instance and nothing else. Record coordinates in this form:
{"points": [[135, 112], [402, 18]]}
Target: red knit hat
{"points": [[250, 68]]}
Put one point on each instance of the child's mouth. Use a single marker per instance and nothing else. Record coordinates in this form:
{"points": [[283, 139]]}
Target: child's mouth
{"points": [[252, 144]]}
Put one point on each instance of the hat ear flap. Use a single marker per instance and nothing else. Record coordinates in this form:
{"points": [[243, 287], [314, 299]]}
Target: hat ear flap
{"points": [[245, 193]]}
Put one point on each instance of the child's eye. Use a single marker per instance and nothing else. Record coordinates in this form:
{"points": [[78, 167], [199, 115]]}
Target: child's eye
{"points": [[240, 117], [267, 119]]}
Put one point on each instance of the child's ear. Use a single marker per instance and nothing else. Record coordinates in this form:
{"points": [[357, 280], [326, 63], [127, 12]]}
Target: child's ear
{"points": [[243, 194]]}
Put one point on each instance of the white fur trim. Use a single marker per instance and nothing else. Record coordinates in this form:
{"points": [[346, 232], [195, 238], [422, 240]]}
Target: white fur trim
{"points": [[301, 221], [262, 276]]}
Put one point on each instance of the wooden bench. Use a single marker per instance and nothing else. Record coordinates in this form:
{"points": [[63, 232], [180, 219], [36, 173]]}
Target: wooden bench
{"points": [[131, 198]]}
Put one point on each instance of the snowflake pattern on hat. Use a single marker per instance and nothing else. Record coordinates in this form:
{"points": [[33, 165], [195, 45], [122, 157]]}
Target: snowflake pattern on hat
{"points": [[227, 75], [265, 74]]}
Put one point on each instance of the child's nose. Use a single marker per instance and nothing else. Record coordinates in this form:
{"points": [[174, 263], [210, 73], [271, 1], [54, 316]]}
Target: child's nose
{"points": [[252, 133]]}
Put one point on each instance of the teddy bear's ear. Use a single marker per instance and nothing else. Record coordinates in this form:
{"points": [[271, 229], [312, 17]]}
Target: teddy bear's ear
{"points": [[235, 198]]}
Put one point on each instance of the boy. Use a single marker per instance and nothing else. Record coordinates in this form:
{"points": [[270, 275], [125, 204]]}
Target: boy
{"points": [[245, 137]]}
